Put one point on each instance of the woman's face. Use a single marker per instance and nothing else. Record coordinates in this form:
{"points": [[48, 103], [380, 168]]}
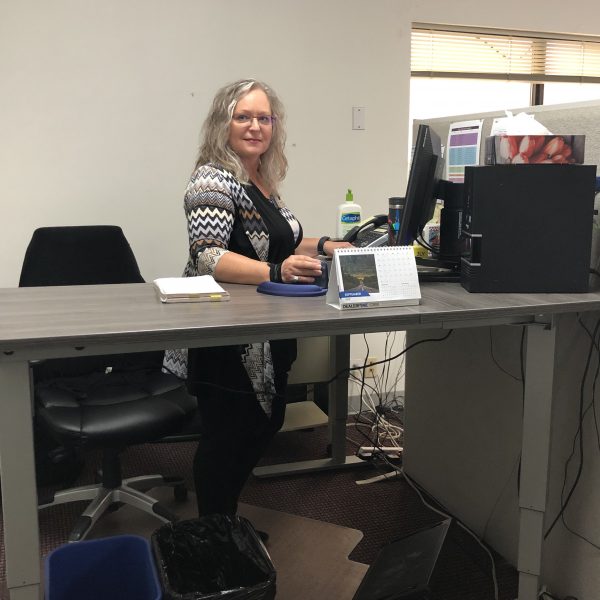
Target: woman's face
{"points": [[248, 138]]}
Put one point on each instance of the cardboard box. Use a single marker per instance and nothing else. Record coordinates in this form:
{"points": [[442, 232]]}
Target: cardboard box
{"points": [[534, 149]]}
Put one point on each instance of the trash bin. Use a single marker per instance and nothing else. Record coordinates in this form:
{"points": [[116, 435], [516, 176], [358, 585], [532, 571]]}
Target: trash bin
{"points": [[118, 568], [213, 557]]}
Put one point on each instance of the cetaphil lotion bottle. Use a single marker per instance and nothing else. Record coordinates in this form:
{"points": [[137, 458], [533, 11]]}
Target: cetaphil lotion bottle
{"points": [[349, 215]]}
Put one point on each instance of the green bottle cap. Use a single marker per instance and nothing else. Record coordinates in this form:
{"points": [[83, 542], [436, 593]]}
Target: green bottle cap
{"points": [[349, 196]]}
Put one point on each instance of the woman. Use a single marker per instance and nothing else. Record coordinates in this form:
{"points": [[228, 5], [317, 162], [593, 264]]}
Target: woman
{"points": [[240, 232]]}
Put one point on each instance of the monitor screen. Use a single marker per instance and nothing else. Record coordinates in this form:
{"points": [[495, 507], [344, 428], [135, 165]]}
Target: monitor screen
{"points": [[425, 172]]}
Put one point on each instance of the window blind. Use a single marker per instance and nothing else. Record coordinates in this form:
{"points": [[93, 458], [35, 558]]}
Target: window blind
{"points": [[442, 51]]}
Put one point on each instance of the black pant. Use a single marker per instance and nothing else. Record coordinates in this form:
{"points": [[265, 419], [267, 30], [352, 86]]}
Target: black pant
{"points": [[235, 430]]}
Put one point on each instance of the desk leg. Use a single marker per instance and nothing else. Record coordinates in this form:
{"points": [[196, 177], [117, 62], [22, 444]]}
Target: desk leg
{"points": [[19, 494], [339, 357], [537, 413]]}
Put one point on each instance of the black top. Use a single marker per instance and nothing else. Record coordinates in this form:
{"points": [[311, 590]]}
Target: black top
{"points": [[226, 365], [281, 236]]}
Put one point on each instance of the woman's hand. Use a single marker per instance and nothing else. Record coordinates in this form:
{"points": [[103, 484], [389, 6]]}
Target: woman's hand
{"points": [[298, 268]]}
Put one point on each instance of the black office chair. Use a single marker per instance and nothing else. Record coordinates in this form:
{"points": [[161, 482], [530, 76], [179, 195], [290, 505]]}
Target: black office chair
{"points": [[107, 402]]}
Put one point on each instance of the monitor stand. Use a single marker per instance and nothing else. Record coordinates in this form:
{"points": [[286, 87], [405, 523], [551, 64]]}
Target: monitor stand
{"points": [[435, 269]]}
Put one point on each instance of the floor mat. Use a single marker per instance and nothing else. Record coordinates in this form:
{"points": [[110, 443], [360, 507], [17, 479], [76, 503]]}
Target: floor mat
{"points": [[310, 556]]}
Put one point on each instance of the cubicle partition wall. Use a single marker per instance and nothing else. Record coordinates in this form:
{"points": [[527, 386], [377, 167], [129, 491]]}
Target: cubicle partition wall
{"points": [[472, 398], [575, 118]]}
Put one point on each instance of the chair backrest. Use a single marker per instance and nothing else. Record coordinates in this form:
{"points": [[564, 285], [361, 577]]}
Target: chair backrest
{"points": [[83, 255], [79, 255]]}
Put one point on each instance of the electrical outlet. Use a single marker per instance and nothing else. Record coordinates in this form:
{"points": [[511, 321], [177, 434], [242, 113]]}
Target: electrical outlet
{"points": [[371, 370], [359, 363]]}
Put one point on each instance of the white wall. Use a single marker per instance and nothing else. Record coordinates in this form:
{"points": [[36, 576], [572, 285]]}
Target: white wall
{"points": [[101, 104]]}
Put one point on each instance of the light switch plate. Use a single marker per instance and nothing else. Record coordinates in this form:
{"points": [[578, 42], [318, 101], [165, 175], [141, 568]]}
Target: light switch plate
{"points": [[358, 117]]}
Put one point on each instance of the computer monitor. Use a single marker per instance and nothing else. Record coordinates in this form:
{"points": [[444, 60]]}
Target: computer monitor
{"points": [[425, 173]]}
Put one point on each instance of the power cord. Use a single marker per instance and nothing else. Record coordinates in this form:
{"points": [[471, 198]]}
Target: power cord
{"points": [[392, 433], [415, 487], [578, 433], [378, 410], [384, 435], [399, 471], [495, 361], [521, 379], [387, 360], [342, 373], [544, 595], [592, 405], [380, 421], [381, 429]]}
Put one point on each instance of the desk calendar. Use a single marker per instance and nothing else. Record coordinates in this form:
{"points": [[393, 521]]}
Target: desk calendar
{"points": [[370, 277]]}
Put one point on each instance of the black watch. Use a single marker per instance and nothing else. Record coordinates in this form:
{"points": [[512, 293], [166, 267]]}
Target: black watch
{"points": [[321, 244]]}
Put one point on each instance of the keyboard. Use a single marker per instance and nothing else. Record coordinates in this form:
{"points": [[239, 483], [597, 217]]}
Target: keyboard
{"points": [[427, 274]]}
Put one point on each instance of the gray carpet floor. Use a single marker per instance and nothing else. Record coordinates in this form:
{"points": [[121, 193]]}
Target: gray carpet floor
{"points": [[383, 511]]}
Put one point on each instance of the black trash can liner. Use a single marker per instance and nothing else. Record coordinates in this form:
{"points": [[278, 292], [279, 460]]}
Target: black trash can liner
{"points": [[213, 557]]}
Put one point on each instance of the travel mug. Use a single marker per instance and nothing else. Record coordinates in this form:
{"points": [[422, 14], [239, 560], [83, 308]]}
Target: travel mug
{"points": [[396, 210]]}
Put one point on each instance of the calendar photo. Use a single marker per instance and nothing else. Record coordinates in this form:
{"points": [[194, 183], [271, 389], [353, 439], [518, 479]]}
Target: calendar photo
{"points": [[359, 273]]}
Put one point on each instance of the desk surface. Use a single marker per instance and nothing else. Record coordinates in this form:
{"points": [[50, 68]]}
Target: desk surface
{"points": [[51, 321], [75, 320]]}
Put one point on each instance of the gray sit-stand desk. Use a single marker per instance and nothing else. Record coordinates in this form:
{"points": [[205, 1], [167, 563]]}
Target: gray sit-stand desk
{"points": [[40, 323]]}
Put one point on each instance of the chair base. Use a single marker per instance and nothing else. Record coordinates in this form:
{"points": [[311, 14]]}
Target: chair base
{"points": [[130, 491]]}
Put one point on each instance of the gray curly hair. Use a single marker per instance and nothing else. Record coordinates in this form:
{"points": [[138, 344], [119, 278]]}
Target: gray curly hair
{"points": [[214, 147]]}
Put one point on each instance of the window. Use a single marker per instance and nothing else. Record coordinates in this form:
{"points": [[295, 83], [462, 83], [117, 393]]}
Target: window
{"points": [[557, 93], [431, 98], [458, 70], [437, 51]]}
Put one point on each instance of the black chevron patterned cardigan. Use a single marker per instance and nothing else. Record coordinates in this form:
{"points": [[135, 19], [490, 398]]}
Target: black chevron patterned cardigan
{"points": [[213, 199]]}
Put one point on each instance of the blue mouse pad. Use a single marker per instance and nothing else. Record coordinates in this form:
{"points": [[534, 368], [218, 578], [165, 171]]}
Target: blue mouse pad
{"points": [[290, 289]]}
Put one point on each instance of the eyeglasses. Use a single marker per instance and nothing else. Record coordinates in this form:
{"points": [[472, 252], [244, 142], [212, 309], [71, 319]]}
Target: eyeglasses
{"points": [[262, 120]]}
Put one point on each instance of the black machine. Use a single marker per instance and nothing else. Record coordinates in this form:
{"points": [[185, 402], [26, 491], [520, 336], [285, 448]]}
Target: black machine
{"points": [[508, 228], [421, 192], [527, 228], [421, 195], [424, 187], [405, 569]]}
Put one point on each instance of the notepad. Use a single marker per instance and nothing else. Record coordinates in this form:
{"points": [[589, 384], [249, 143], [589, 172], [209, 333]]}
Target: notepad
{"points": [[202, 288]]}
